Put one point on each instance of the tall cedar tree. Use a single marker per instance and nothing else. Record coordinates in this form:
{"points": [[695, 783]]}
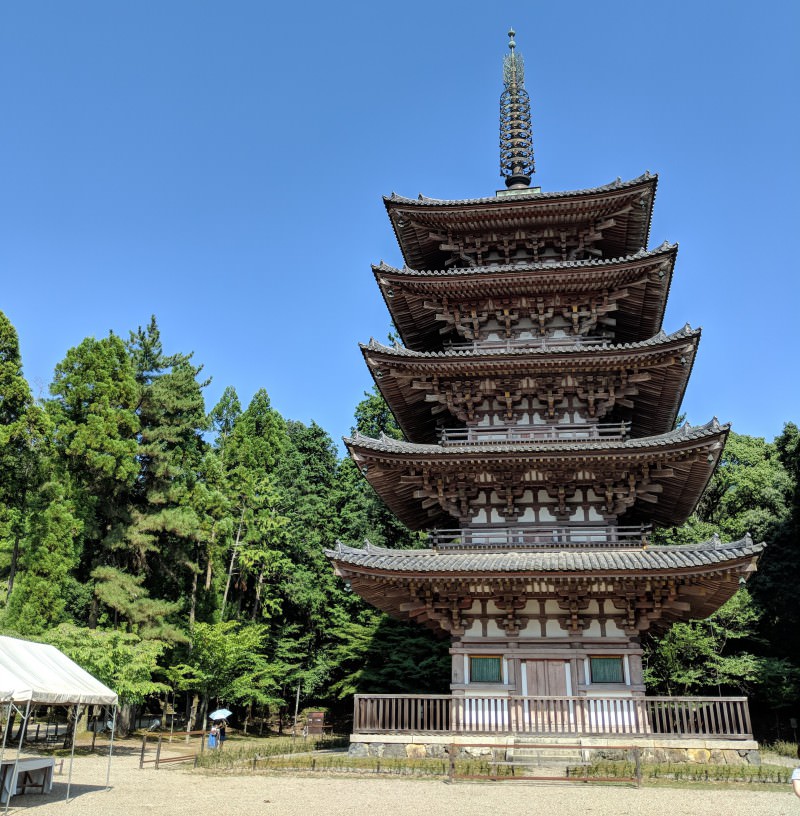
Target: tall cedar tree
{"points": [[95, 396], [22, 429]]}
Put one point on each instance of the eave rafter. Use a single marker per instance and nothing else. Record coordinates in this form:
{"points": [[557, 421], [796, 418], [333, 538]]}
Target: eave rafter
{"points": [[422, 389], [608, 221], [626, 296], [638, 599], [427, 485]]}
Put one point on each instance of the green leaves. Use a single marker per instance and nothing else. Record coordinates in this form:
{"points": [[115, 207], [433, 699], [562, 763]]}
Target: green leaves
{"points": [[751, 644], [122, 660]]}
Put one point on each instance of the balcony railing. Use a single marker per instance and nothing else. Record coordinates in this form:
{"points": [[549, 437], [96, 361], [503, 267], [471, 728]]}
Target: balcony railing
{"points": [[536, 537], [535, 433], [707, 717], [543, 342]]}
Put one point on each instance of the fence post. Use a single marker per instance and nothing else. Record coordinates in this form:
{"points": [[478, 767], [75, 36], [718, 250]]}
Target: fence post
{"points": [[158, 751], [141, 756], [451, 772], [637, 758]]}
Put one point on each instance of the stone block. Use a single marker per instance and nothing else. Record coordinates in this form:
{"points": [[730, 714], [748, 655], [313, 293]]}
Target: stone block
{"points": [[702, 756], [415, 751], [395, 750], [358, 749]]}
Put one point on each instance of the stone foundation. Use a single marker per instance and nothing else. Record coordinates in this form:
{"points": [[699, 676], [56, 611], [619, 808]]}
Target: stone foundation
{"points": [[654, 750]]}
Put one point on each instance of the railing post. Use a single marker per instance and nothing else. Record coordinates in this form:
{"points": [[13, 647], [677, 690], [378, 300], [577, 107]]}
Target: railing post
{"points": [[746, 712], [637, 760], [141, 755], [158, 751], [451, 772]]}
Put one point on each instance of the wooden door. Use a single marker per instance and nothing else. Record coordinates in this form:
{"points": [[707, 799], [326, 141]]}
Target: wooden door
{"points": [[546, 678]]}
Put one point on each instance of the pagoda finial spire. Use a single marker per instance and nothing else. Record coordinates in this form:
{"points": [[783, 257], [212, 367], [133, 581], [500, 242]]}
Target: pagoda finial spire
{"points": [[516, 136]]}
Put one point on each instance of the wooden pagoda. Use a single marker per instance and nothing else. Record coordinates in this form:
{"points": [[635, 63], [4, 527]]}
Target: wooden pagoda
{"points": [[538, 395]]}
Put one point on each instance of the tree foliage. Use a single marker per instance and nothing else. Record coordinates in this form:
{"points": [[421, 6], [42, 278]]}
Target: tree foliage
{"points": [[752, 643], [170, 550]]}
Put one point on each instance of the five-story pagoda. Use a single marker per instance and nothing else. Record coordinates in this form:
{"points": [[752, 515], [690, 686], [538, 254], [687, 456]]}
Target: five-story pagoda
{"points": [[538, 395]]}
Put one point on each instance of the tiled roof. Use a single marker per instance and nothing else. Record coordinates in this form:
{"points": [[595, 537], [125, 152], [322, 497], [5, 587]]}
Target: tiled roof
{"points": [[617, 184], [394, 446], [602, 560], [525, 351], [464, 271]]}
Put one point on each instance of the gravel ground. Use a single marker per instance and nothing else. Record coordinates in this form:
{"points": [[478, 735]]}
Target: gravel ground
{"points": [[177, 790]]}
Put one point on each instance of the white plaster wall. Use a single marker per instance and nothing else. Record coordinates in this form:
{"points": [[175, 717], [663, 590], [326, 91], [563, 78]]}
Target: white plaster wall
{"points": [[593, 630], [553, 629], [493, 630]]}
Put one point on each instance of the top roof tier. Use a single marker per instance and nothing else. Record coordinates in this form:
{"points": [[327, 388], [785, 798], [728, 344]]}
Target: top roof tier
{"points": [[524, 226]]}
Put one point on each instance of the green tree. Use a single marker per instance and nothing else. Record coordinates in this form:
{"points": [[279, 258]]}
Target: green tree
{"points": [[166, 517], [96, 430], [123, 661], [22, 432], [40, 598]]}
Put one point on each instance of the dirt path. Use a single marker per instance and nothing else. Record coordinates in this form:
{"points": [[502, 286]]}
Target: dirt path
{"points": [[179, 791]]}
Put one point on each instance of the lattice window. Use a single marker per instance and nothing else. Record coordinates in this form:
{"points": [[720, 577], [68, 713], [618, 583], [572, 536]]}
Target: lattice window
{"points": [[485, 669], [607, 670]]}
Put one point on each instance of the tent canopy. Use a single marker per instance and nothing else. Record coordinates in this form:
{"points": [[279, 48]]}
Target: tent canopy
{"points": [[40, 673]]}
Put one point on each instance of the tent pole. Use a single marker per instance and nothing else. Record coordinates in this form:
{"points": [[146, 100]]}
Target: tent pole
{"points": [[111, 745], [22, 728], [5, 737], [5, 730], [72, 755]]}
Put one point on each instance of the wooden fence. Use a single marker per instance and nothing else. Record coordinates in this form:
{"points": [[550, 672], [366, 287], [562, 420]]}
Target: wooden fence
{"points": [[709, 717], [192, 745]]}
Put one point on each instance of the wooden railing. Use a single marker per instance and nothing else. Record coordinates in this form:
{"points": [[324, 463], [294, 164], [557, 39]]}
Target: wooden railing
{"points": [[708, 717], [535, 433], [574, 536], [543, 341]]}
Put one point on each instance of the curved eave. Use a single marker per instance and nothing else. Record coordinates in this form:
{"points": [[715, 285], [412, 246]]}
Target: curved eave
{"points": [[394, 370], [413, 219], [705, 575], [645, 277], [687, 455], [689, 559]]}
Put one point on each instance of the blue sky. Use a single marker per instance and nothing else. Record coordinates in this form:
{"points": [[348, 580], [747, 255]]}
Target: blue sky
{"points": [[221, 165]]}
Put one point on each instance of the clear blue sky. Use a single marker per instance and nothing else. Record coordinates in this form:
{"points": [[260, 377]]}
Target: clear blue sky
{"points": [[221, 165]]}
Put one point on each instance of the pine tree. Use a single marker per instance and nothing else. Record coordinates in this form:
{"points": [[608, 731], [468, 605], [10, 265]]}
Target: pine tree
{"points": [[22, 433], [96, 428]]}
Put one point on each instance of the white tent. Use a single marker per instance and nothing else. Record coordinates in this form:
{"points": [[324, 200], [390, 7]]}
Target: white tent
{"points": [[37, 673], [40, 673]]}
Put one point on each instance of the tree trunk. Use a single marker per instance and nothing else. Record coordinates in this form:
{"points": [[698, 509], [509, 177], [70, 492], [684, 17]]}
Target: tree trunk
{"points": [[259, 587], [247, 716], [12, 570], [193, 599], [233, 561], [126, 719], [192, 713], [209, 555]]}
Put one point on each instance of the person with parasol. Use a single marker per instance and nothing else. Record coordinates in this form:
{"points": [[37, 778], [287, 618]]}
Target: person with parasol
{"points": [[217, 734]]}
